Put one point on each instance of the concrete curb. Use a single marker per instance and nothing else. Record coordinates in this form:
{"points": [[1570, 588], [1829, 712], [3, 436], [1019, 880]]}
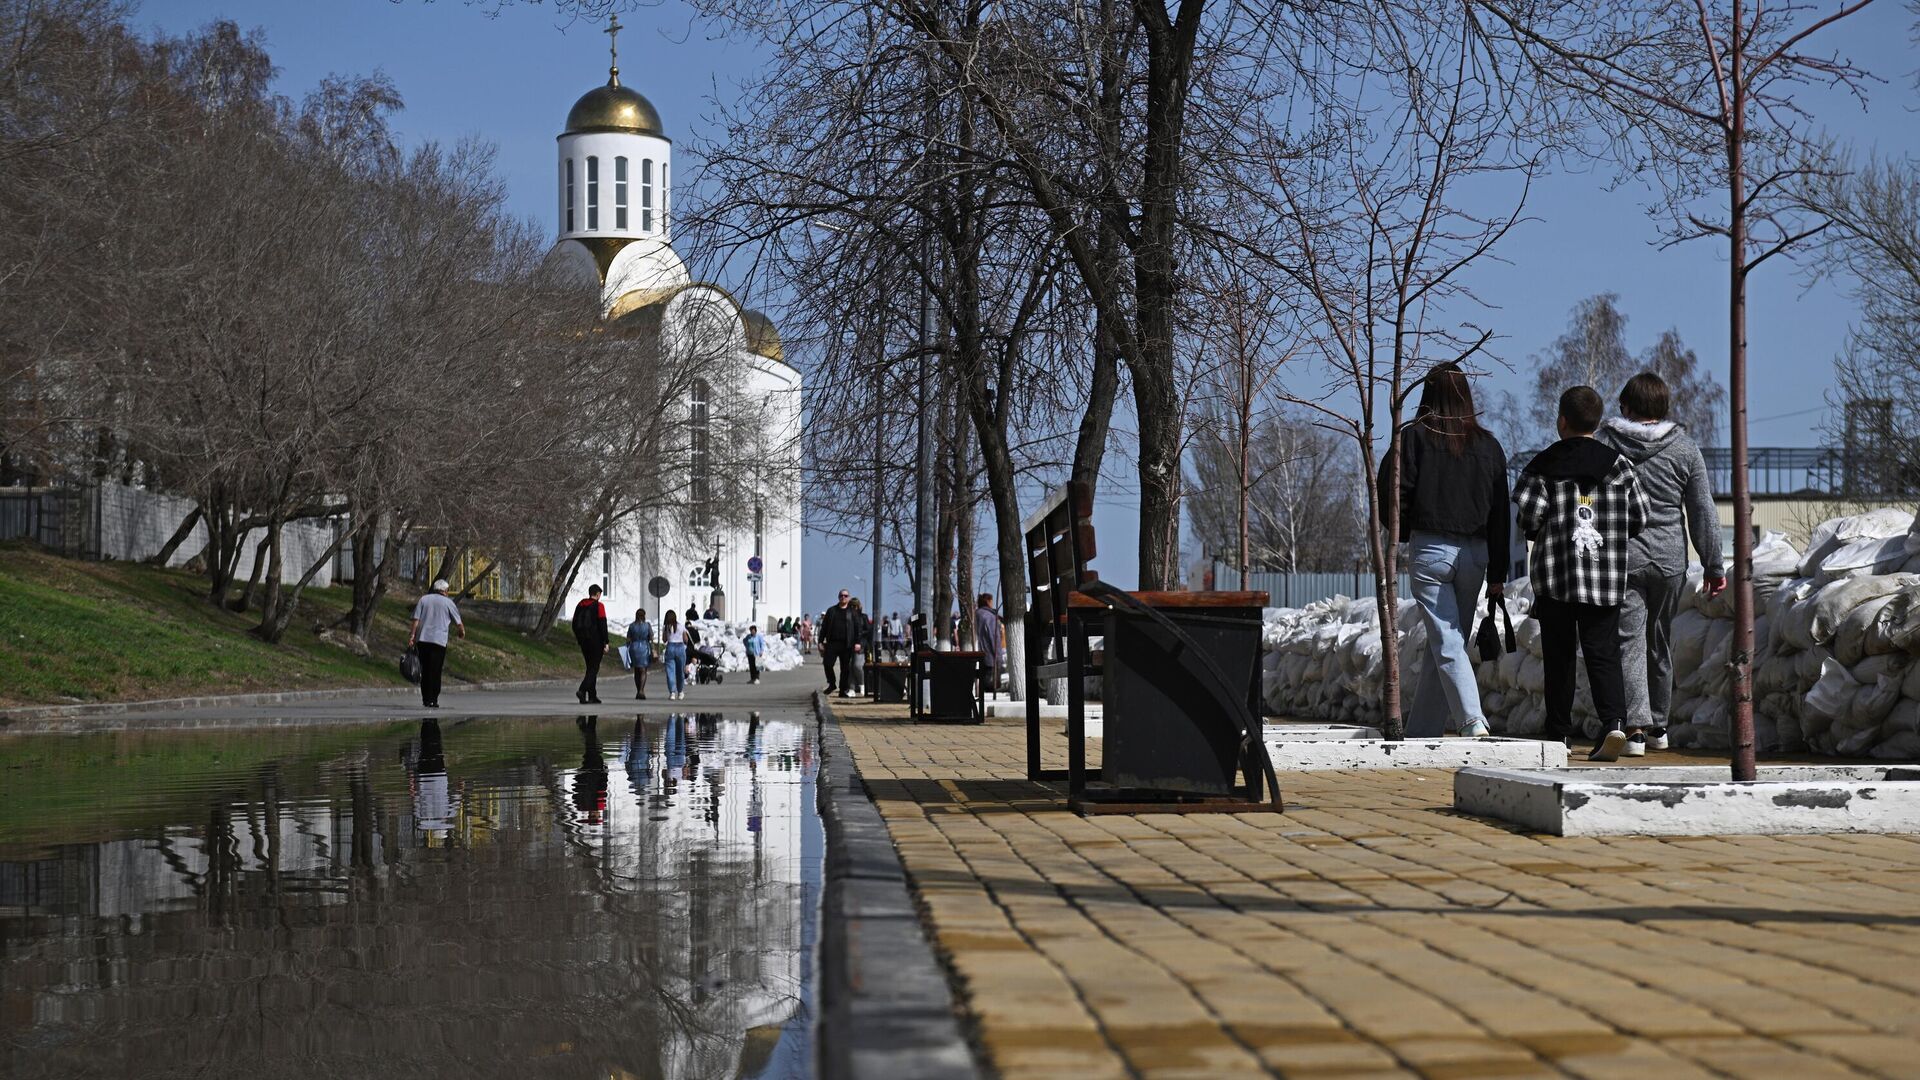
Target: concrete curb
{"points": [[886, 1008], [241, 701]]}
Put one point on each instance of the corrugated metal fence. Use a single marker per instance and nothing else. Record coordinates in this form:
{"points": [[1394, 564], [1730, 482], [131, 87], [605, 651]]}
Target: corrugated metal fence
{"points": [[1303, 588]]}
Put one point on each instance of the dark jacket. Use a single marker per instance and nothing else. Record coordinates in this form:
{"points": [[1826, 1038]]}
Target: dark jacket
{"points": [[1574, 483], [1673, 477], [1465, 495], [590, 624], [838, 628]]}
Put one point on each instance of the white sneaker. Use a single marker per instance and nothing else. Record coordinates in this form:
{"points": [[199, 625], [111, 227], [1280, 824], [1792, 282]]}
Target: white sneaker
{"points": [[1657, 738], [1476, 729], [1636, 746], [1608, 748]]}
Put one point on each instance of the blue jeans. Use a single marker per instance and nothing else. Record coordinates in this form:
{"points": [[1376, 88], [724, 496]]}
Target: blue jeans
{"points": [[676, 667], [1448, 570]]}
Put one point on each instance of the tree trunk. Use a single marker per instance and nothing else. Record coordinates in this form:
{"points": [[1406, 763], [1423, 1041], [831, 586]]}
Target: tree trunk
{"points": [[455, 555], [1383, 531], [964, 519], [165, 554], [276, 536], [246, 598], [369, 579], [1742, 584], [561, 586], [279, 615]]}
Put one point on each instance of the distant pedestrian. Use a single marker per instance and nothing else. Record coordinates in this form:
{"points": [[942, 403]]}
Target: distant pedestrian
{"points": [[806, 633], [755, 645], [640, 651], [590, 633], [712, 612], [1453, 519], [693, 614], [433, 616], [987, 637], [673, 640], [1580, 503], [837, 639]]}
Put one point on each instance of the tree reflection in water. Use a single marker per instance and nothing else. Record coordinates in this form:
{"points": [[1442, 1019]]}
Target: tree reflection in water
{"points": [[478, 900]]}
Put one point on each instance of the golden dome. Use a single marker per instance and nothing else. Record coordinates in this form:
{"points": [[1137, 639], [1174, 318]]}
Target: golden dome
{"points": [[763, 337], [614, 108]]}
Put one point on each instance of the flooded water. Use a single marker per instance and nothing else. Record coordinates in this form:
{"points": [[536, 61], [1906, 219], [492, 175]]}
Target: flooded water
{"points": [[572, 897]]}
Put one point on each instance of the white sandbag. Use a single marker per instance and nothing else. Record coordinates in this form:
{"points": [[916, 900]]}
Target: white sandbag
{"points": [[1871, 705], [1832, 535], [1882, 555], [1903, 718], [1774, 557], [1850, 639], [1533, 675], [1836, 600], [1833, 693], [1856, 744], [1902, 747], [1526, 635], [1689, 640], [1913, 537]]}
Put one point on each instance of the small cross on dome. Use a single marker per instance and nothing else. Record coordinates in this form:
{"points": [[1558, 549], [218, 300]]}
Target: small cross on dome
{"points": [[613, 48]]}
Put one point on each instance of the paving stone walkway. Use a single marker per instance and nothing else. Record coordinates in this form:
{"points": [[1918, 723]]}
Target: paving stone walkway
{"points": [[1371, 931]]}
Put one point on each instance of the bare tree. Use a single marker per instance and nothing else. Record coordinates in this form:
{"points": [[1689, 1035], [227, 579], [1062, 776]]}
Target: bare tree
{"points": [[1593, 352]]}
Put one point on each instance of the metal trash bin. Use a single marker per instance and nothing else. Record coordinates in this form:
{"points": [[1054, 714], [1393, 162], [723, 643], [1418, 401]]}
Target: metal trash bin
{"points": [[1167, 727], [948, 688]]}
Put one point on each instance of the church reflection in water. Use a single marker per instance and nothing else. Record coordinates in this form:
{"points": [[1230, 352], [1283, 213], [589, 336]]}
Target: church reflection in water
{"points": [[573, 897]]}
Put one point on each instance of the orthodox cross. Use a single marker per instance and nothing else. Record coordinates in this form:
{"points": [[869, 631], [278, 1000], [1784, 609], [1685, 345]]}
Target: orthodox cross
{"points": [[613, 47]]}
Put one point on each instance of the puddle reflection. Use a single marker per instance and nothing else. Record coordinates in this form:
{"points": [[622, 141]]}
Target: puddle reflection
{"points": [[475, 898]]}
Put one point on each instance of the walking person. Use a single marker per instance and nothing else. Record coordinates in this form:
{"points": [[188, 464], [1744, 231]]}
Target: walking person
{"points": [[755, 645], [674, 645], [806, 634], [433, 616], [1453, 519], [1580, 504], [862, 646], [590, 633], [836, 644], [640, 651], [989, 638], [1673, 477]]}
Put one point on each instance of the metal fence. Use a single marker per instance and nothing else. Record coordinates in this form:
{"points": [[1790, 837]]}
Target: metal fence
{"points": [[1304, 587], [52, 518]]}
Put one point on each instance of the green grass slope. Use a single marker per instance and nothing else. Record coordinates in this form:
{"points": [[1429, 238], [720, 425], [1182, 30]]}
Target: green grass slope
{"points": [[82, 631]]}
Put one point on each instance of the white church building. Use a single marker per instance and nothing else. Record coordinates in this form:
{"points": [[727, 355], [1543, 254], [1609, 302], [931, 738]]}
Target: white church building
{"points": [[614, 208]]}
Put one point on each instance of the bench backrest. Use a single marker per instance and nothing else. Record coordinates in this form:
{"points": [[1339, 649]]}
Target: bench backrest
{"points": [[1059, 538]]}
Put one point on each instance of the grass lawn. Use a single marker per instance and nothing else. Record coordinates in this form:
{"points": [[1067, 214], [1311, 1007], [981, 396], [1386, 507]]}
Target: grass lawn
{"points": [[74, 631]]}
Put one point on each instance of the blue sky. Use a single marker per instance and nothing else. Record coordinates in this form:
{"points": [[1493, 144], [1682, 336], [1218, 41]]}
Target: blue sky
{"points": [[509, 76]]}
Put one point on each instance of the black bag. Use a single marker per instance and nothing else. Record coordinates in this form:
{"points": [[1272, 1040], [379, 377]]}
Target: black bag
{"points": [[1487, 641], [410, 666]]}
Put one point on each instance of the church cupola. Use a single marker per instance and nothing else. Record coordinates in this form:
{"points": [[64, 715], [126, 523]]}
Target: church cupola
{"points": [[614, 157]]}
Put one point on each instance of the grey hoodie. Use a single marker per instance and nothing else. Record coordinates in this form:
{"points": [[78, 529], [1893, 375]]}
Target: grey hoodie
{"points": [[1673, 476]]}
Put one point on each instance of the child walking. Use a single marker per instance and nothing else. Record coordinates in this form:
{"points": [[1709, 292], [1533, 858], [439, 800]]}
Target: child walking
{"points": [[1579, 503]]}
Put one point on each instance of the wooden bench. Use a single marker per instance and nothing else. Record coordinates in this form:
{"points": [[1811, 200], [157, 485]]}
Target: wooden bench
{"points": [[1168, 703]]}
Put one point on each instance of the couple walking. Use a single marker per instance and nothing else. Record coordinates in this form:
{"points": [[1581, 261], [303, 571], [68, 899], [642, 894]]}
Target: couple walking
{"points": [[844, 634], [1608, 508]]}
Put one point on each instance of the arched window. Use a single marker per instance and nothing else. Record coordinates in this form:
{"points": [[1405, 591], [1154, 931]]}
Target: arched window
{"points": [[664, 189], [701, 449], [620, 193], [593, 194], [646, 195], [569, 195]]}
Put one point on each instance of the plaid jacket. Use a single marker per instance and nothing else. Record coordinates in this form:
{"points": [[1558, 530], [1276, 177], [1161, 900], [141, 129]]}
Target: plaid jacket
{"points": [[1579, 504]]}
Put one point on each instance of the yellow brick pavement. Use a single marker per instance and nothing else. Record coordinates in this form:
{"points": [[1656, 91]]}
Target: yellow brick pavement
{"points": [[1371, 931]]}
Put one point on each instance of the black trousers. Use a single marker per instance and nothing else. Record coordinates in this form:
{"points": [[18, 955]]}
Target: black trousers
{"points": [[753, 666], [591, 658], [1594, 632], [433, 661], [844, 654]]}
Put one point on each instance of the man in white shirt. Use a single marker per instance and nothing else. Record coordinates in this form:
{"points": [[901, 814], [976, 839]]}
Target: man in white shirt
{"points": [[433, 617]]}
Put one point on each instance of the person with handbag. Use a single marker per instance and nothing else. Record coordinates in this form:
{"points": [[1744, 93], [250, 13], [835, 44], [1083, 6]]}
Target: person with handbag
{"points": [[433, 616], [640, 651], [1453, 519]]}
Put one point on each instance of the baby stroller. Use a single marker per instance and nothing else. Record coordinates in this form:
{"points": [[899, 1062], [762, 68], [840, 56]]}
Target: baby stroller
{"points": [[706, 667]]}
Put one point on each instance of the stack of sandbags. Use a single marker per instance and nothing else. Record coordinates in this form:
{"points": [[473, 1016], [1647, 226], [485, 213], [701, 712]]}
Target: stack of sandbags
{"points": [[1324, 661], [727, 640]]}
